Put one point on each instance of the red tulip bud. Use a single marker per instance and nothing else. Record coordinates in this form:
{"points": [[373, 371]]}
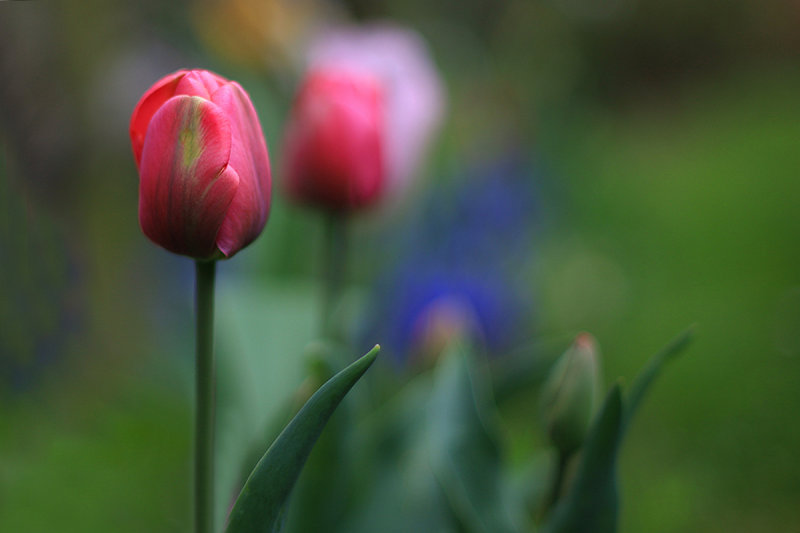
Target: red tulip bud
{"points": [[334, 141], [204, 176]]}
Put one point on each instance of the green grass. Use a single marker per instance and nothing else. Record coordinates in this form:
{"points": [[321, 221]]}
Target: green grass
{"points": [[93, 464]]}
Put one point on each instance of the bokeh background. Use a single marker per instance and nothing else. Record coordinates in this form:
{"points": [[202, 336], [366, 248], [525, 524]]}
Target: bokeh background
{"points": [[626, 168]]}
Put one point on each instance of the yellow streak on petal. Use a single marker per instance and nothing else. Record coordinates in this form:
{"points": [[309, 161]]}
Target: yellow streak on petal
{"points": [[191, 134]]}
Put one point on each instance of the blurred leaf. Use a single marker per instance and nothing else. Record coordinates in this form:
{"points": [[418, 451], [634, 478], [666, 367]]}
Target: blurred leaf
{"points": [[393, 471], [463, 447], [526, 366], [591, 505], [261, 502], [528, 484], [263, 333], [325, 482], [431, 460]]}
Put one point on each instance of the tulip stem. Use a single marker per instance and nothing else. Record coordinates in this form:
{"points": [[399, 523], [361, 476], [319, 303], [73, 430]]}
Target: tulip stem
{"points": [[334, 264], [558, 481], [204, 384]]}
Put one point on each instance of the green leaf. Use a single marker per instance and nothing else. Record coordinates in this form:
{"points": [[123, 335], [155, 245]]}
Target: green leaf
{"points": [[256, 386], [463, 445], [431, 460], [392, 469], [260, 505], [654, 366], [591, 503], [326, 481]]}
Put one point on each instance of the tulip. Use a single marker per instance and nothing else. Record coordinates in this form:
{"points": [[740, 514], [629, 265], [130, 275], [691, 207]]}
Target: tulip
{"points": [[413, 94], [204, 174], [366, 110], [569, 395], [334, 142]]}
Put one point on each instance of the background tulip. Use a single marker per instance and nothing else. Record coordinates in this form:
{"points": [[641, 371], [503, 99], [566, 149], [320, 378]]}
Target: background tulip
{"points": [[414, 96], [408, 111], [204, 175], [334, 143]]}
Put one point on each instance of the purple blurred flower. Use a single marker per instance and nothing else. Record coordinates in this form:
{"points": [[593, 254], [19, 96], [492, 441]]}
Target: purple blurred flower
{"points": [[429, 305], [410, 82], [461, 268]]}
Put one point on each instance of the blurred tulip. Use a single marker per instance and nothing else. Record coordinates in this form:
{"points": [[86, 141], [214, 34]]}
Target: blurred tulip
{"points": [[569, 395], [411, 92], [204, 175], [334, 142]]}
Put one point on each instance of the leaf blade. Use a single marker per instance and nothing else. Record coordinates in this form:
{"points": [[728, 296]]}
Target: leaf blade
{"points": [[649, 373], [591, 504], [260, 504]]}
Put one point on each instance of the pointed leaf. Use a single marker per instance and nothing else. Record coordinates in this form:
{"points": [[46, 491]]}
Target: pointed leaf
{"points": [[591, 503], [648, 374], [260, 505], [256, 392]]}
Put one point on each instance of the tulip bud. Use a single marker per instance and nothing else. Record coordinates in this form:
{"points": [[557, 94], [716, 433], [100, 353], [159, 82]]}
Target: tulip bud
{"points": [[569, 395], [204, 175], [334, 141]]}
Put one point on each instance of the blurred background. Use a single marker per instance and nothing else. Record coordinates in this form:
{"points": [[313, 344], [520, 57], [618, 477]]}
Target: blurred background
{"points": [[626, 168]]}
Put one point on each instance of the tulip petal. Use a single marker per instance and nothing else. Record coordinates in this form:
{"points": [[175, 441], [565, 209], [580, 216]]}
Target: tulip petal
{"points": [[200, 83], [250, 207], [154, 98], [186, 186]]}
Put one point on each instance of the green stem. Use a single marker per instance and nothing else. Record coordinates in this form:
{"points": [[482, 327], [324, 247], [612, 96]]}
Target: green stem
{"points": [[204, 385], [334, 264], [558, 482]]}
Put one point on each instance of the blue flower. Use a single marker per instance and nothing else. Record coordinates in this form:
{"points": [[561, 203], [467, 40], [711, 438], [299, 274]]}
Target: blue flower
{"points": [[461, 265]]}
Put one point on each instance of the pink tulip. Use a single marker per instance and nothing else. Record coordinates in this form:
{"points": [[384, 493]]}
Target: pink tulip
{"points": [[204, 175], [413, 96], [334, 141]]}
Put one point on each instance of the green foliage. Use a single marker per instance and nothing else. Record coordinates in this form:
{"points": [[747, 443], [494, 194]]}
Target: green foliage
{"points": [[430, 459], [261, 503], [262, 333], [463, 445], [592, 503]]}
